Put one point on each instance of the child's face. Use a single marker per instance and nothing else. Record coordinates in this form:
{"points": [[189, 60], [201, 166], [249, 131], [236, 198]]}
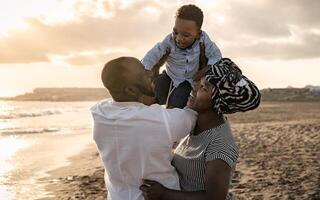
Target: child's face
{"points": [[185, 32]]}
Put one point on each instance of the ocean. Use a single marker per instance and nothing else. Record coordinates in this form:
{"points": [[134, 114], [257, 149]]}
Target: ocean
{"points": [[36, 137]]}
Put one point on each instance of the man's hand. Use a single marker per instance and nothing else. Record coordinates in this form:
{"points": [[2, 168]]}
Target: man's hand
{"points": [[163, 59], [152, 190]]}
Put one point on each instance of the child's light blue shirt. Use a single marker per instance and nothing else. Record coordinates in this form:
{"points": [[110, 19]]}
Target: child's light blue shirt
{"points": [[182, 64]]}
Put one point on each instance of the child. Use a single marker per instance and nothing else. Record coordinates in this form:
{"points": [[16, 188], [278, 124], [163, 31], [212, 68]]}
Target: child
{"points": [[181, 51]]}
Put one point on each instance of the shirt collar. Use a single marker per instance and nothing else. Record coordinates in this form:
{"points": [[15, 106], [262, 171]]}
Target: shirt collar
{"points": [[127, 103]]}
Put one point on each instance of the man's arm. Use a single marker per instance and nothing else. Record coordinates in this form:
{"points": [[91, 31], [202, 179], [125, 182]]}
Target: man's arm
{"points": [[217, 178], [179, 122], [183, 122]]}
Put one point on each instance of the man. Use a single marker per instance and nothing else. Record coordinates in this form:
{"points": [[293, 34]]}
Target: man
{"points": [[134, 139]]}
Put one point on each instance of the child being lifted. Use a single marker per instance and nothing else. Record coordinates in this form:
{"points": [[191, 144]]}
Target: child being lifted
{"points": [[180, 51]]}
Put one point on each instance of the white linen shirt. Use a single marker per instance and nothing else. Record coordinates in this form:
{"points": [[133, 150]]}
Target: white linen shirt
{"points": [[135, 141]]}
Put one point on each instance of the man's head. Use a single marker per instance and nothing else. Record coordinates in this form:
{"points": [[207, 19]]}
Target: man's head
{"points": [[126, 79], [187, 26]]}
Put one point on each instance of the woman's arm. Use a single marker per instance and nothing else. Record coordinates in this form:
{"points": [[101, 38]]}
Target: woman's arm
{"points": [[217, 177]]}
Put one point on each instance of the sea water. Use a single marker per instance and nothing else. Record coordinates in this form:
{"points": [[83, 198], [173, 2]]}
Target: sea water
{"points": [[36, 137]]}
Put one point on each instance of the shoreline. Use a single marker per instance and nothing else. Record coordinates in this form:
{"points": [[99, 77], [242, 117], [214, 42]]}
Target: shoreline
{"points": [[27, 178], [82, 179]]}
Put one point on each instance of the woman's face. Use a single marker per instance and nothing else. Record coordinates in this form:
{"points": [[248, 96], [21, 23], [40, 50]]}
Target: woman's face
{"points": [[200, 96]]}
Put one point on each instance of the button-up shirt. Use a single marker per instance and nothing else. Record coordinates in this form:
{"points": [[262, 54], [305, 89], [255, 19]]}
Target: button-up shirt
{"points": [[182, 64], [135, 141]]}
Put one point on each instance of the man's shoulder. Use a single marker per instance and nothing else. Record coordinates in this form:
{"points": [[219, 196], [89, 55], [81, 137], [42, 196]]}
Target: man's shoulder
{"points": [[103, 102]]}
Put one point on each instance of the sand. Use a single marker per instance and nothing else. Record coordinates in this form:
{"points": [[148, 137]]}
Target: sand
{"points": [[279, 157]]}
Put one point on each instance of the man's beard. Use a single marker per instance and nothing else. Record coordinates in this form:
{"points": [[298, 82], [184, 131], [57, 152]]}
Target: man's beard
{"points": [[145, 91]]}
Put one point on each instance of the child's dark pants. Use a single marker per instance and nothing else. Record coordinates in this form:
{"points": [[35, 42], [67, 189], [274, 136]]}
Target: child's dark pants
{"points": [[179, 95]]}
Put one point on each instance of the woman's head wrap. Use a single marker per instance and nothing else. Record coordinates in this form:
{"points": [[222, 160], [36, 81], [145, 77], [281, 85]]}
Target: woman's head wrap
{"points": [[232, 91]]}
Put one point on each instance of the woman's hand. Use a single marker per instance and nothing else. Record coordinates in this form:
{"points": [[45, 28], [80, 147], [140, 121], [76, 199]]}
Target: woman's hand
{"points": [[152, 190], [203, 62]]}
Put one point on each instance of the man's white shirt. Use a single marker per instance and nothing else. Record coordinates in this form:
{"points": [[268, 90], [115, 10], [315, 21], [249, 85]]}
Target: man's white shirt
{"points": [[135, 142]]}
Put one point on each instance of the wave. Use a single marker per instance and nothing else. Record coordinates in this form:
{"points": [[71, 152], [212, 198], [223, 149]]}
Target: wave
{"points": [[29, 114], [31, 131]]}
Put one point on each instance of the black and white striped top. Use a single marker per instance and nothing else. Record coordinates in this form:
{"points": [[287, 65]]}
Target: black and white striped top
{"points": [[194, 151]]}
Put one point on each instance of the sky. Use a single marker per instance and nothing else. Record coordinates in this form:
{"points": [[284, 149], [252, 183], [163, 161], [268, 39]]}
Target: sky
{"points": [[65, 43]]}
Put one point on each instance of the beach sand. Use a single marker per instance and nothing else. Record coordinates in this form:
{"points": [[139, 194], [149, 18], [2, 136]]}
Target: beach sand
{"points": [[279, 157]]}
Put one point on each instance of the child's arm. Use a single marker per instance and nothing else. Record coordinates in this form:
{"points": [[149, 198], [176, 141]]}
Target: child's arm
{"points": [[157, 56]]}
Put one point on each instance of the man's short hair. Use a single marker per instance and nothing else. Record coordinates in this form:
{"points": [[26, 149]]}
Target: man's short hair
{"points": [[113, 74], [191, 12]]}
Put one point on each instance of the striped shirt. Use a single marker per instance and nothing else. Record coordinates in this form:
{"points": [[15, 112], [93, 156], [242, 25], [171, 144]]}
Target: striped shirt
{"points": [[194, 151]]}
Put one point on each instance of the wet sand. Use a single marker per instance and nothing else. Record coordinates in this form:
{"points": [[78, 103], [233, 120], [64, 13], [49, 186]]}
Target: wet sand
{"points": [[279, 157]]}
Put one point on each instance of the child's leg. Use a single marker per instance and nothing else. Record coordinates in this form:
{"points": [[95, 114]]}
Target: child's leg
{"points": [[161, 87], [179, 96]]}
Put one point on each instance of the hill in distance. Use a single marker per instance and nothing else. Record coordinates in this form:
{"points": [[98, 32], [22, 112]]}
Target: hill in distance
{"points": [[308, 93]]}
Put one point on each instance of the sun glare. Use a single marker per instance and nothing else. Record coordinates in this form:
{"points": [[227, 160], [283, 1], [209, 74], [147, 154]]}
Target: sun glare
{"points": [[9, 146], [15, 12]]}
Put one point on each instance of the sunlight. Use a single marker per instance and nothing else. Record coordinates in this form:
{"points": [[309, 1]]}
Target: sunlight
{"points": [[11, 91], [5, 110], [152, 12], [9, 146], [48, 11]]}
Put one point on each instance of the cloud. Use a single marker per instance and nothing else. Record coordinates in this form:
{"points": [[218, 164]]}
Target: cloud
{"points": [[308, 47], [126, 28], [94, 58], [267, 29]]}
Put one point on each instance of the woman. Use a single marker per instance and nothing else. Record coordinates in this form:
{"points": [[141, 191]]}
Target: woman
{"points": [[206, 158]]}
